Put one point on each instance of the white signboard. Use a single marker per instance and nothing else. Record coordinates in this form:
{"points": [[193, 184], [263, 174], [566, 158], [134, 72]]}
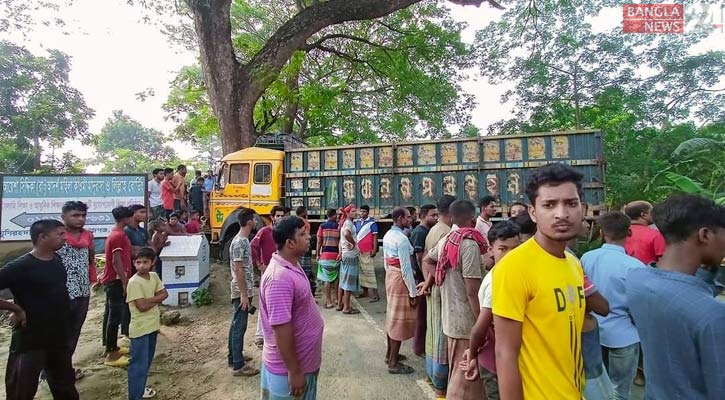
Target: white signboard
{"points": [[28, 198]]}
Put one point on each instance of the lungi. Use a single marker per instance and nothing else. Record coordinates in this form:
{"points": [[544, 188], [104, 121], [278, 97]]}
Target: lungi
{"points": [[436, 342], [367, 272], [458, 387], [276, 387], [327, 270], [349, 274], [400, 316]]}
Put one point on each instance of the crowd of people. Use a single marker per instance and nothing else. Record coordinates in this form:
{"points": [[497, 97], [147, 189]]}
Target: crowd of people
{"points": [[52, 286], [498, 310], [171, 194], [507, 310]]}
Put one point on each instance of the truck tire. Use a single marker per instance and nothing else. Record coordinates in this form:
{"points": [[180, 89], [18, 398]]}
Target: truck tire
{"points": [[224, 249]]}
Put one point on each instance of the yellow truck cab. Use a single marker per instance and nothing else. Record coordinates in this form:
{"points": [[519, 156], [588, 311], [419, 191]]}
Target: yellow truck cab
{"points": [[248, 178]]}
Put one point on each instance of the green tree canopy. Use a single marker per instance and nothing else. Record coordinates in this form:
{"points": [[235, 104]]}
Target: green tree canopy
{"points": [[363, 81], [38, 106], [126, 146]]}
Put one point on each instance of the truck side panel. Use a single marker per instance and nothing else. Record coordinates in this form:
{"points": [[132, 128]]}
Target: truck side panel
{"points": [[386, 175]]}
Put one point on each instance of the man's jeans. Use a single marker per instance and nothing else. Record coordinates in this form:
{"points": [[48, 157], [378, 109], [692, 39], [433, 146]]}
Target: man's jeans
{"points": [[622, 367], [237, 329], [113, 315], [142, 354]]}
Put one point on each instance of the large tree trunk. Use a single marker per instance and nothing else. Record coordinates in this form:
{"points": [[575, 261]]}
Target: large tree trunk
{"points": [[221, 71], [234, 91]]}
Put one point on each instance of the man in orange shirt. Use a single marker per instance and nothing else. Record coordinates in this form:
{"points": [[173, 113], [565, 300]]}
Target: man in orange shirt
{"points": [[167, 192], [180, 188], [646, 243]]}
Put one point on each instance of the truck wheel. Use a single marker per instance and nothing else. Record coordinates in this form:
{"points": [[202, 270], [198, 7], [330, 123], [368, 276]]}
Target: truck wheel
{"points": [[224, 250]]}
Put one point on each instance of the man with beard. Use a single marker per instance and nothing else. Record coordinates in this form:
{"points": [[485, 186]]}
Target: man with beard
{"points": [[538, 296]]}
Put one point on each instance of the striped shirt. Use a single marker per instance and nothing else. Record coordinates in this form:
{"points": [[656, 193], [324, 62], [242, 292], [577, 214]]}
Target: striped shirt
{"points": [[284, 297], [329, 236]]}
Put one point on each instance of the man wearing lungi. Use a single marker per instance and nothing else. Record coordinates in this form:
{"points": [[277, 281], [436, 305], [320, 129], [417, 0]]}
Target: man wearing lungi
{"points": [[328, 259], [349, 264], [458, 274], [400, 290], [436, 342], [367, 242]]}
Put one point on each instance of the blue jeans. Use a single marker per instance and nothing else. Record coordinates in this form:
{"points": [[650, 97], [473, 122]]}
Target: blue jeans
{"points": [[622, 367], [237, 329], [142, 353]]}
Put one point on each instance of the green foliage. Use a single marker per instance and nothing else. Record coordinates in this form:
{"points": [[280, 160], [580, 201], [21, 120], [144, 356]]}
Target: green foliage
{"points": [[364, 81], [640, 90], [202, 297], [556, 58], [126, 146], [37, 106]]}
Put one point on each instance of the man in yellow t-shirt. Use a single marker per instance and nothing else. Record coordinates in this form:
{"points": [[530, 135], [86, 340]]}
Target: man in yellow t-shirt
{"points": [[538, 296]]}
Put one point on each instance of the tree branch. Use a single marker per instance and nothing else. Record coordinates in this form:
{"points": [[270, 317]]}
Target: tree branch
{"points": [[344, 36]]}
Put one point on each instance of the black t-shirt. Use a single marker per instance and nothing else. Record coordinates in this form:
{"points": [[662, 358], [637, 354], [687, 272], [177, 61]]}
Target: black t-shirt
{"points": [[39, 287], [417, 240]]}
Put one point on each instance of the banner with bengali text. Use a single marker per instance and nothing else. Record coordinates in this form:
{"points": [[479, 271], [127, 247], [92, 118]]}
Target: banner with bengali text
{"points": [[28, 198]]}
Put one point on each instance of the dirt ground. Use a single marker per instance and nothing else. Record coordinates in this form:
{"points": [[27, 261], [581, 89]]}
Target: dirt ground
{"points": [[191, 364]]}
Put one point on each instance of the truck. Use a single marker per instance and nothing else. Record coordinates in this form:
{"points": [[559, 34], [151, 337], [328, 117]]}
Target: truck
{"points": [[282, 171]]}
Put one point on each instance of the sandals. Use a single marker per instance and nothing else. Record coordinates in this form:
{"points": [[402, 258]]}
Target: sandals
{"points": [[120, 362], [401, 369], [375, 299], [79, 374], [328, 306], [339, 308], [245, 371], [351, 311], [400, 358], [148, 393]]}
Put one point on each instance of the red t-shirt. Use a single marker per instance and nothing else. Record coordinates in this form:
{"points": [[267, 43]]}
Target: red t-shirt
{"points": [[193, 226], [645, 244], [167, 195], [116, 241]]}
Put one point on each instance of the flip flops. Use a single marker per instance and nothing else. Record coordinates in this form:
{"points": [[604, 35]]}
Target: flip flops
{"points": [[400, 358], [401, 369], [375, 299], [328, 306], [148, 393], [351, 311]]}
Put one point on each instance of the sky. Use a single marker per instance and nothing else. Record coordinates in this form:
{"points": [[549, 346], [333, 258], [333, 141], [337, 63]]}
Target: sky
{"points": [[115, 55]]}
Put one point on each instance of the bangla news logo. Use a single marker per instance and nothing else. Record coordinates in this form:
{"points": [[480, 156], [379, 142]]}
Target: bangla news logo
{"points": [[665, 18]]}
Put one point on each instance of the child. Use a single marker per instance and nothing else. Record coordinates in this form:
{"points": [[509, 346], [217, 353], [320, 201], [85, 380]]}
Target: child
{"points": [[194, 226], [144, 294], [503, 237], [175, 227], [183, 217]]}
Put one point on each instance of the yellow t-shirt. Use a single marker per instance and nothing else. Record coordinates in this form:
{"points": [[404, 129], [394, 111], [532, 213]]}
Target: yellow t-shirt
{"points": [[546, 294], [143, 322]]}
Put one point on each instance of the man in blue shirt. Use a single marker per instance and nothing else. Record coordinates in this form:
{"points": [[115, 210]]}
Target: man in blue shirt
{"points": [[607, 268], [679, 322]]}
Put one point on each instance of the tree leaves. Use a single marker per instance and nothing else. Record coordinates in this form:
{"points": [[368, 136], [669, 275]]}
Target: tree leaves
{"points": [[363, 81], [37, 103]]}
